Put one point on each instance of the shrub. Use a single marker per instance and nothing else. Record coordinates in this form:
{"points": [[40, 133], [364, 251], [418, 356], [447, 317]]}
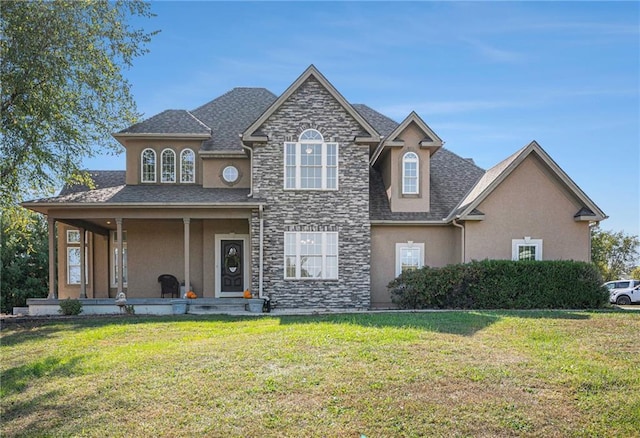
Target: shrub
{"points": [[70, 307], [501, 284]]}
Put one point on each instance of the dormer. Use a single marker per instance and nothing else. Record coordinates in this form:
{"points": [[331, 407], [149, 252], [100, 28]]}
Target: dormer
{"points": [[164, 149], [404, 160]]}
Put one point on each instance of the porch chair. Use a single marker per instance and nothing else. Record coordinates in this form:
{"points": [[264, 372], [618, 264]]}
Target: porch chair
{"points": [[170, 285]]}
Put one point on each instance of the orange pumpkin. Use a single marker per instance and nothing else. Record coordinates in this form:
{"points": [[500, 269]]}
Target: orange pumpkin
{"points": [[191, 294], [247, 294]]}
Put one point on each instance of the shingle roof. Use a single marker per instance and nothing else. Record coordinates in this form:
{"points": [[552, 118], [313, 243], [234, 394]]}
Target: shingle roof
{"points": [[169, 122], [487, 179], [381, 123], [101, 179], [230, 114], [149, 194], [451, 178]]}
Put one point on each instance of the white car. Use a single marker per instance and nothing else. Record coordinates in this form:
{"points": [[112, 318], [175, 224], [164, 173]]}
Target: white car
{"points": [[625, 296], [621, 284]]}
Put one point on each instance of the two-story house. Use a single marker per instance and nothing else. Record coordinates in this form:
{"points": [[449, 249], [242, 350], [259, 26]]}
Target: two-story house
{"points": [[303, 197]]}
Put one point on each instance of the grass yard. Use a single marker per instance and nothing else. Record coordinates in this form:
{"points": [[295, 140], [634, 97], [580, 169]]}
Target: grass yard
{"points": [[486, 373]]}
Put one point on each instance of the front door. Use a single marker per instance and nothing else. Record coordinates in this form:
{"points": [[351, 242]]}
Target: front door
{"points": [[231, 270]]}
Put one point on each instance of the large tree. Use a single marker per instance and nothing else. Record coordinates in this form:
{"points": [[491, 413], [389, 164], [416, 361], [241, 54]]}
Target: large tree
{"points": [[24, 254], [615, 253], [63, 89]]}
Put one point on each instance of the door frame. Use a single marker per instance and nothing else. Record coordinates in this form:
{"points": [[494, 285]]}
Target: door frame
{"points": [[245, 263]]}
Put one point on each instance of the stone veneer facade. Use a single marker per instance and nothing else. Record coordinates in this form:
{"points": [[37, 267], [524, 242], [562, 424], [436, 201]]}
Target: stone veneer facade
{"points": [[345, 210]]}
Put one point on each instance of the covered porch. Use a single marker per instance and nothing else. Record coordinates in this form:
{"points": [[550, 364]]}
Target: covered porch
{"points": [[208, 245]]}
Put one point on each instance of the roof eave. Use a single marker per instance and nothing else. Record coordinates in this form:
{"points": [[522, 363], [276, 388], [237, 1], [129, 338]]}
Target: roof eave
{"points": [[589, 218], [120, 136], [407, 222], [42, 207]]}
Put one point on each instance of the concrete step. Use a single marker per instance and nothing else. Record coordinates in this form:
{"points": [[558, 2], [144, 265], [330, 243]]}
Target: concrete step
{"points": [[204, 306]]}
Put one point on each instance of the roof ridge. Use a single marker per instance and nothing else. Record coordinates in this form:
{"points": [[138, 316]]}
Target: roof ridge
{"points": [[198, 120], [229, 92]]}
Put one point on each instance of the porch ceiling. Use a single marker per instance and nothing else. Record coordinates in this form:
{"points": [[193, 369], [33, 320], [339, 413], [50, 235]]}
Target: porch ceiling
{"points": [[89, 226]]}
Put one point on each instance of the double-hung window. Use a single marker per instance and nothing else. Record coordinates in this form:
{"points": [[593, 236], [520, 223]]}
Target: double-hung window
{"points": [[311, 164], [526, 249], [311, 255], [187, 166], [410, 174], [148, 166], [73, 258], [409, 256], [168, 171]]}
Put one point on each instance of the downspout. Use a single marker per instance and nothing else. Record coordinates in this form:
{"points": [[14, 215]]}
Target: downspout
{"points": [[261, 208], [456, 224], [260, 262], [250, 150]]}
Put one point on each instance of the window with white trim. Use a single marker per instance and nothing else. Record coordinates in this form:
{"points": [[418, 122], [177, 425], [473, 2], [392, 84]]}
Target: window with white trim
{"points": [[410, 178], [148, 166], [311, 255], [114, 258], [526, 249], [311, 164], [73, 258], [168, 171], [73, 265], [187, 166], [409, 256], [73, 237]]}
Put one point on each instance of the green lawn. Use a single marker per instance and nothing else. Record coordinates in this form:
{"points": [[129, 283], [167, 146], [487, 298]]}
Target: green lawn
{"points": [[447, 374]]}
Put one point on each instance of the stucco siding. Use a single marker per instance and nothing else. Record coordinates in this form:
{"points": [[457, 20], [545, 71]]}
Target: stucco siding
{"points": [[135, 148], [412, 136], [345, 210], [100, 266], [94, 279], [441, 244], [212, 172], [530, 202]]}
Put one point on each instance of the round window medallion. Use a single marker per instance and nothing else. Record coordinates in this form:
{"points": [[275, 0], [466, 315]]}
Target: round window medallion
{"points": [[230, 174]]}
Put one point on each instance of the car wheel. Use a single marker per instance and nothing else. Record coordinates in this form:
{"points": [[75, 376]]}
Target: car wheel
{"points": [[623, 300]]}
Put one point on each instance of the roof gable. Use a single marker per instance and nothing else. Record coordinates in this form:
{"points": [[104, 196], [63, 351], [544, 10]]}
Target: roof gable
{"points": [[497, 174], [249, 134], [431, 140]]}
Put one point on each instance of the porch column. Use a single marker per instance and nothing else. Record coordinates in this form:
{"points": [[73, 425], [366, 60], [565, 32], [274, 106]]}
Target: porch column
{"points": [[119, 258], [83, 264], [51, 227], [187, 279]]}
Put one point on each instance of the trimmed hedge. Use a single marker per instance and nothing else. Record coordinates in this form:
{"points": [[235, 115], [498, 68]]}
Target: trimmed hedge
{"points": [[502, 284]]}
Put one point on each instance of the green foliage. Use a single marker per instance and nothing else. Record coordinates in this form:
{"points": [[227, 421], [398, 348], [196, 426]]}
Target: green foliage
{"points": [[70, 307], [635, 273], [501, 284], [63, 92], [614, 253], [24, 252]]}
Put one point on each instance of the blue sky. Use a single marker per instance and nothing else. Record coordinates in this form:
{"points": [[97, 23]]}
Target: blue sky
{"points": [[488, 77]]}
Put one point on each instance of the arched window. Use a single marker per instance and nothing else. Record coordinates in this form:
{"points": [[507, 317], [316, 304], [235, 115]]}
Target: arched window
{"points": [[311, 164], [187, 166], [148, 164], [168, 173], [410, 174]]}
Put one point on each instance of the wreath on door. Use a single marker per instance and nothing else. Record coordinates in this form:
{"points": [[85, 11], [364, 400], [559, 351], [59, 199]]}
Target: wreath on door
{"points": [[232, 260]]}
